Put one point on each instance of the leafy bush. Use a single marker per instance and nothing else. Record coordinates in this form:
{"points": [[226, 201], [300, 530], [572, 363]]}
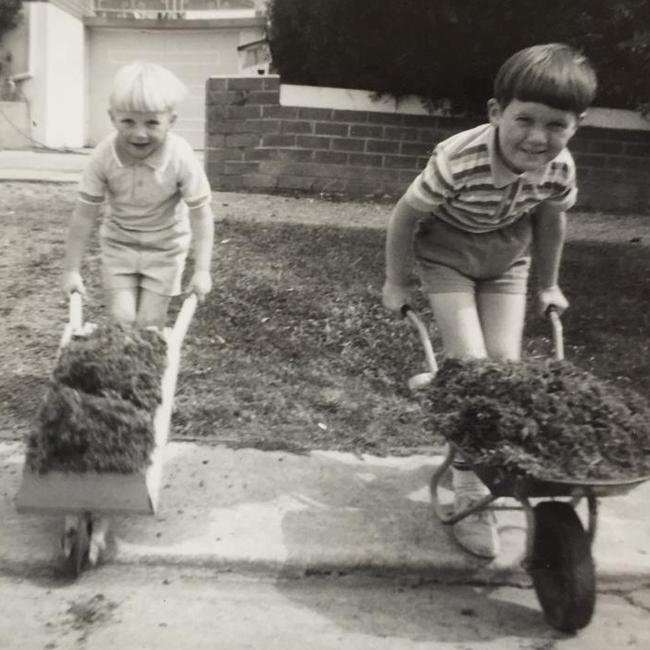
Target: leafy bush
{"points": [[9, 15], [544, 418], [451, 49]]}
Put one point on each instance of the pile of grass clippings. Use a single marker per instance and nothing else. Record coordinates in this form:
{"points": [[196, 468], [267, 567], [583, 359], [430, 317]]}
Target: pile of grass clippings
{"points": [[97, 414], [546, 419]]}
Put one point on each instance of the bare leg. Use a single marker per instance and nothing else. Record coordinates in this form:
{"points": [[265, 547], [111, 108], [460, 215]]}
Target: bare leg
{"points": [[461, 327], [458, 321], [502, 319], [152, 309], [122, 304]]}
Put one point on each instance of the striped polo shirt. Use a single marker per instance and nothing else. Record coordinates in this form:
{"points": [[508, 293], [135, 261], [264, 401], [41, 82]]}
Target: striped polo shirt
{"points": [[145, 195], [467, 185]]}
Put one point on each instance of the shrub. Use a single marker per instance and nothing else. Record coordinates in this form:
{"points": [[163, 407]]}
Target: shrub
{"points": [[9, 15], [451, 49]]}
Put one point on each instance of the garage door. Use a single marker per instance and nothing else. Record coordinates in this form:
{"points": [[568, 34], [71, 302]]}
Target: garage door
{"points": [[193, 55]]}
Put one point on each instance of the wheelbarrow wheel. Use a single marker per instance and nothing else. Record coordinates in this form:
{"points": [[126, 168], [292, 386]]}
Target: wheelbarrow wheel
{"points": [[77, 545], [562, 567]]}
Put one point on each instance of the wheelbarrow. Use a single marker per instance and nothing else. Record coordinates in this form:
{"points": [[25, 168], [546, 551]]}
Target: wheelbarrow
{"points": [[85, 498], [558, 548]]}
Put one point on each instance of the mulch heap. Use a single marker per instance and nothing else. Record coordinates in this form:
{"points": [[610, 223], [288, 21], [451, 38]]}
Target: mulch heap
{"points": [[542, 418], [97, 414]]}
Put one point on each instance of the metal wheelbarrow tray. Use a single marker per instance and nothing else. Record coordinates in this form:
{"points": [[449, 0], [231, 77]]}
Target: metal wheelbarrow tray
{"points": [[111, 493]]}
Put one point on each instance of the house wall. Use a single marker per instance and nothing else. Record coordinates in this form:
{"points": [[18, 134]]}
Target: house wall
{"points": [[254, 143], [67, 58], [193, 50], [57, 66]]}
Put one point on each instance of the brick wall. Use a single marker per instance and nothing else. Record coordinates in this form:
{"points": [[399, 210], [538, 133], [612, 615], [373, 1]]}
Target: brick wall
{"points": [[254, 144]]}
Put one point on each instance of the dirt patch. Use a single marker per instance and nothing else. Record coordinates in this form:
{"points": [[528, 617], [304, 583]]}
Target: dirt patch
{"points": [[87, 614]]}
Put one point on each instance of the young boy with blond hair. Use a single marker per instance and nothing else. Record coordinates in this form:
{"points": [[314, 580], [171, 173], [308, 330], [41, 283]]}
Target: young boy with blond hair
{"points": [[158, 200]]}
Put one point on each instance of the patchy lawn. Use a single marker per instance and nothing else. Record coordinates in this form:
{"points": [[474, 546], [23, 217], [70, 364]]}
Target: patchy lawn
{"points": [[293, 349]]}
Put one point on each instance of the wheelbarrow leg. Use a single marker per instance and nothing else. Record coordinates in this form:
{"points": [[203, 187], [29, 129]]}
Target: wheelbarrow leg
{"points": [[98, 539], [444, 514], [75, 542]]}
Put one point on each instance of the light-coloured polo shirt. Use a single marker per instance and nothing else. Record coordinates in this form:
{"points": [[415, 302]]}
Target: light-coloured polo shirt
{"points": [[144, 194], [467, 185]]}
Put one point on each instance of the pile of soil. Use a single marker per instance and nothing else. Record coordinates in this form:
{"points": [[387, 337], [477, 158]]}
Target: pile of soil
{"points": [[97, 414], [546, 419]]}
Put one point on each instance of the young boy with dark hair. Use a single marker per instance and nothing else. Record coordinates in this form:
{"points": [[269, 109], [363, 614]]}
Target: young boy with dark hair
{"points": [[490, 199]]}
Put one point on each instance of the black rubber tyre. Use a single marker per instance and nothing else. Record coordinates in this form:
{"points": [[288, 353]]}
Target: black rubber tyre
{"points": [[77, 560], [562, 567]]}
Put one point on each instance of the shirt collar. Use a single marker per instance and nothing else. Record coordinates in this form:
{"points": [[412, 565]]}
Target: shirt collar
{"points": [[501, 173], [157, 160]]}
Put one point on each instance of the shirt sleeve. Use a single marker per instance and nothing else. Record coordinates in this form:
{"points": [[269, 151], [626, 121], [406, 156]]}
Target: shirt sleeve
{"points": [[194, 185], [566, 192], [92, 186], [433, 186]]}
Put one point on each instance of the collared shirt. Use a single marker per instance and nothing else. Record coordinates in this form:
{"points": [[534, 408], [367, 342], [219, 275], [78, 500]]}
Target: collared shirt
{"points": [[145, 195], [467, 185]]}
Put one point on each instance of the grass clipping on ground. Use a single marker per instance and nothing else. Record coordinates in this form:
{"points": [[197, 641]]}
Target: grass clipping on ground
{"points": [[546, 419], [97, 414]]}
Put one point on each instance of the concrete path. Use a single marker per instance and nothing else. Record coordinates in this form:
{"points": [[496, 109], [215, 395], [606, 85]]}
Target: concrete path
{"points": [[285, 514], [46, 166]]}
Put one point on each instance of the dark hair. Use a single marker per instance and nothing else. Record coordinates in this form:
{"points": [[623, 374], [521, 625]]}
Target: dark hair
{"points": [[553, 74]]}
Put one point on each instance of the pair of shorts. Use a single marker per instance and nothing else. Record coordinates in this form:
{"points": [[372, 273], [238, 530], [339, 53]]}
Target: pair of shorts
{"points": [[451, 260], [151, 260]]}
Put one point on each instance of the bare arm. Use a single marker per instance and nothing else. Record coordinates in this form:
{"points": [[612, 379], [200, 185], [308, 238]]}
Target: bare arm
{"points": [[202, 225], [399, 254], [82, 222], [549, 233]]}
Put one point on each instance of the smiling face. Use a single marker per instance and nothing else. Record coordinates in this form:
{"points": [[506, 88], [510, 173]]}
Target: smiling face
{"points": [[139, 134], [531, 134]]}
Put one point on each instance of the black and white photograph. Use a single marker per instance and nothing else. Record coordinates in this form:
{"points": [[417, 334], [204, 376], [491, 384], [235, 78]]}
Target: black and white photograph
{"points": [[326, 324]]}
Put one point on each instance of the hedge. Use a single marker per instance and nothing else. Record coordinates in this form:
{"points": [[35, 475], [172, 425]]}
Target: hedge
{"points": [[9, 15], [452, 48]]}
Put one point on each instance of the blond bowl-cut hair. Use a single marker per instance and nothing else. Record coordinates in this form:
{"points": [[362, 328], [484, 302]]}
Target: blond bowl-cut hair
{"points": [[146, 87]]}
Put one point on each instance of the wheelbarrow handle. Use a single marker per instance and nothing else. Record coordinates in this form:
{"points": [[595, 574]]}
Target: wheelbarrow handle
{"points": [[558, 336], [75, 311], [408, 312]]}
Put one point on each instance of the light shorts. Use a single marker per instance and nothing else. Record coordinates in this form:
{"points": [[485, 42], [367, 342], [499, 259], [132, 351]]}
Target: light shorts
{"points": [[450, 260], [150, 260]]}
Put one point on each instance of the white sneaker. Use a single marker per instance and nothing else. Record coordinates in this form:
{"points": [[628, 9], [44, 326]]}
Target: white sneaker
{"points": [[476, 533]]}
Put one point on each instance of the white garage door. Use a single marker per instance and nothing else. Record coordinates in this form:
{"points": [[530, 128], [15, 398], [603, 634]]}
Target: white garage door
{"points": [[193, 55]]}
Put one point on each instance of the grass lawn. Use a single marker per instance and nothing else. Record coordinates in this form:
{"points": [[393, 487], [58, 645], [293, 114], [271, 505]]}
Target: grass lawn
{"points": [[293, 349]]}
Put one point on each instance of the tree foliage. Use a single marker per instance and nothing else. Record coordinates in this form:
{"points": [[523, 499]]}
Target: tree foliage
{"points": [[9, 15], [453, 48]]}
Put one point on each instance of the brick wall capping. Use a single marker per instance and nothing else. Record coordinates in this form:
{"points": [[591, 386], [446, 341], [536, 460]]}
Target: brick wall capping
{"points": [[346, 99]]}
